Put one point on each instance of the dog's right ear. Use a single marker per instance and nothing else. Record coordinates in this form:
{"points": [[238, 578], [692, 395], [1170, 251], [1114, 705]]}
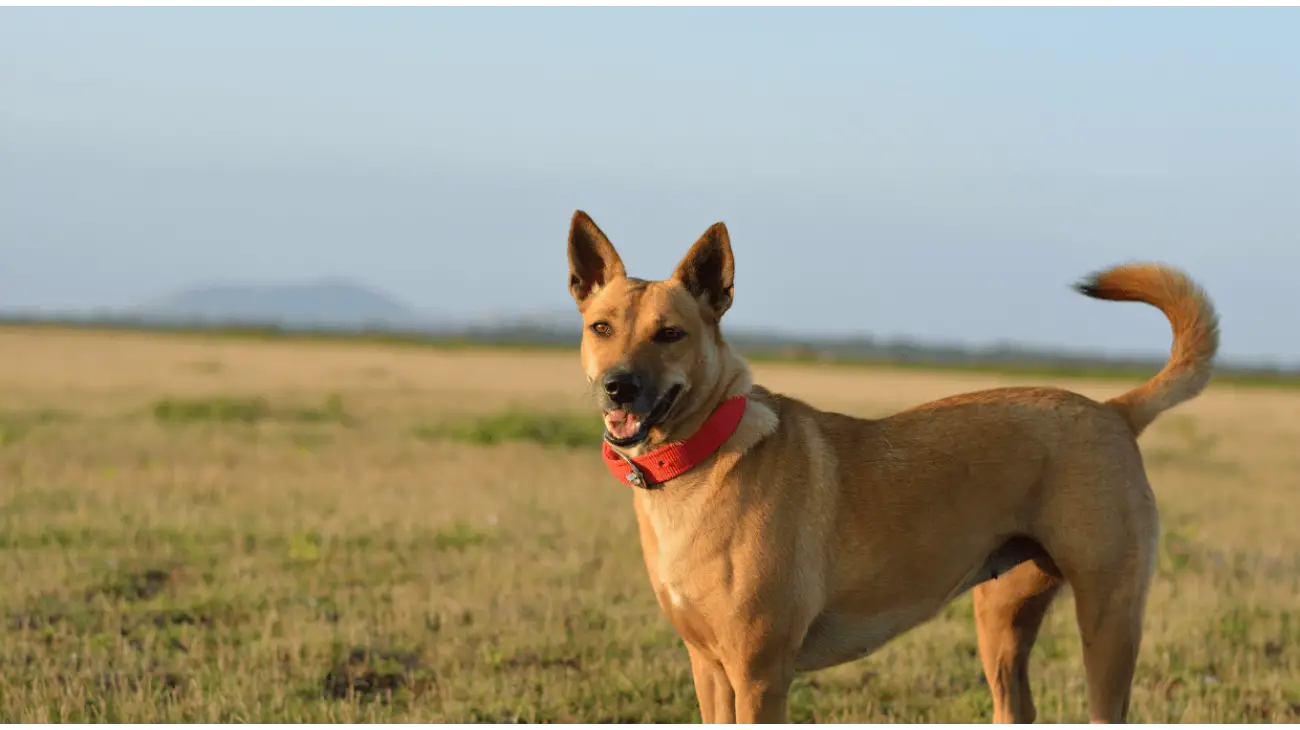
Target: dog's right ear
{"points": [[593, 262]]}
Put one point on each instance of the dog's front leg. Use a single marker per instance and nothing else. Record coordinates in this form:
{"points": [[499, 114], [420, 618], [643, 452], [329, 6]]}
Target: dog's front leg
{"points": [[761, 691], [712, 688]]}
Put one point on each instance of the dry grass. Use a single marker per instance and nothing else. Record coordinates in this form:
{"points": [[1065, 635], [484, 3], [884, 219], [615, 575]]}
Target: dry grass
{"points": [[219, 530]]}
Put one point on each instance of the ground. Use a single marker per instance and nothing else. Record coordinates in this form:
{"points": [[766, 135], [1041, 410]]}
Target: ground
{"points": [[208, 530]]}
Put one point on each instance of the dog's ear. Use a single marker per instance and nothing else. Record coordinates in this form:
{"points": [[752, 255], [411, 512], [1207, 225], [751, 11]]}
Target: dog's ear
{"points": [[708, 271], [593, 262]]}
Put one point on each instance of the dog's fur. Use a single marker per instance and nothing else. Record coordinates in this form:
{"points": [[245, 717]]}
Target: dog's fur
{"points": [[811, 538]]}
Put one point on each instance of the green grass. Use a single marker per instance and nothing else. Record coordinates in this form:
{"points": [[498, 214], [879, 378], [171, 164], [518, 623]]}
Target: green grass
{"points": [[246, 410], [284, 568], [232, 634], [559, 430], [16, 425], [203, 410]]}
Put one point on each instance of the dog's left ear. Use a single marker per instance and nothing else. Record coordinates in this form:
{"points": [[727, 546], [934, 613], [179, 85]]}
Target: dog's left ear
{"points": [[708, 271]]}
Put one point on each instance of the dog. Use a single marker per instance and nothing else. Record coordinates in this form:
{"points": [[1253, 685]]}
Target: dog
{"points": [[780, 538]]}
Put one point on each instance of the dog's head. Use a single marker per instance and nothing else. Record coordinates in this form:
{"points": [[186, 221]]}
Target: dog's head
{"points": [[653, 350]]}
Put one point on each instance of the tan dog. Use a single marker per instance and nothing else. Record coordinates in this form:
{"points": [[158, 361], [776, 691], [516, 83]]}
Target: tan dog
{"points": [[780, 538]]}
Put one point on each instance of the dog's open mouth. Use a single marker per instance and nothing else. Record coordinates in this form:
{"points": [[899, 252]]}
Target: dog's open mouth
{"points": [[622, 428]]}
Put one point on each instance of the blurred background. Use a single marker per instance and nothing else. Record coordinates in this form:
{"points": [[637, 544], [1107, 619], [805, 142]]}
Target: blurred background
{"points": [[895, 181]]}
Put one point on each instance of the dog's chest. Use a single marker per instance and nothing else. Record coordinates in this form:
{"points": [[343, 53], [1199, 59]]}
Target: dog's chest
{"points": [[684, 552], [671, 568], [836, 638]]}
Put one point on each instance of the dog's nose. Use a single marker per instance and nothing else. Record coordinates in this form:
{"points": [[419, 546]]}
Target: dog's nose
{"points": [[622, 388]]}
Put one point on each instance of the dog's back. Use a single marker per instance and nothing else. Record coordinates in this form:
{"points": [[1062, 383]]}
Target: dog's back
{"points": [[941, 497]]}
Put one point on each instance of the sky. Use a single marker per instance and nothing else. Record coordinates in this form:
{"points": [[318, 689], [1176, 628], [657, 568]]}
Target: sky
{"points": [[941, 174]]}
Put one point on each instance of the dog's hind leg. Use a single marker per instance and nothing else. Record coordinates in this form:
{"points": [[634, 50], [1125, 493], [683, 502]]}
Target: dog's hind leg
{"points": [[1108, 559], [1109, 605], [1008, 613]]}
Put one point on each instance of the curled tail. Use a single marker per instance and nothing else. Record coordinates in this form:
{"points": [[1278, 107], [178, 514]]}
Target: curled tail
{"points": [[1196, 335]]}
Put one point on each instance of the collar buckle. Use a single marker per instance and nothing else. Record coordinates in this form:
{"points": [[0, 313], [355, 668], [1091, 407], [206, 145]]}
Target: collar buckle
{"points": [[634, 477]]}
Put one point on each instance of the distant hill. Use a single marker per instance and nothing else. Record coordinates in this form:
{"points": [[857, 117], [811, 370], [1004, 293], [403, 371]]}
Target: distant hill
{"points": [[341, 307], [324, 304]]}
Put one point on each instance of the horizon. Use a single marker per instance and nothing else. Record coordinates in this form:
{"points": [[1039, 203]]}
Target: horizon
{"points": [[942, 175], [541, 328]]}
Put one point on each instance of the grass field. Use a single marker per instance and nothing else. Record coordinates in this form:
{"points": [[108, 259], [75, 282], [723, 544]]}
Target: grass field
{"points": [[223, 530]]}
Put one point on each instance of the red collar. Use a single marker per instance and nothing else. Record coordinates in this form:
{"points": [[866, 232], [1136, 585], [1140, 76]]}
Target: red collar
{"points": [[677, 458]]}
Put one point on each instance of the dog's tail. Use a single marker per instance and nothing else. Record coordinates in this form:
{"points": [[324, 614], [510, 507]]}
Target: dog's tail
{"points": [[1196, 335]]}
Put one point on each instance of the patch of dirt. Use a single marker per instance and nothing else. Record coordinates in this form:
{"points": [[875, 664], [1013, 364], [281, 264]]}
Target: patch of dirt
{"points": [[532, 659], [41, 613], [1259, 708], [85, 616], [138, 585], [168, 682], [162, 619], [372, 674]]}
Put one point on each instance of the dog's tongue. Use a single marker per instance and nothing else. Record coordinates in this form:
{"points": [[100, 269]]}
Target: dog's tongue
{"points": [[621, 424]]}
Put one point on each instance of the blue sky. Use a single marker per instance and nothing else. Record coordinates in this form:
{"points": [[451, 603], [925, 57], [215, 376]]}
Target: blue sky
{"points": [[937, 173]]}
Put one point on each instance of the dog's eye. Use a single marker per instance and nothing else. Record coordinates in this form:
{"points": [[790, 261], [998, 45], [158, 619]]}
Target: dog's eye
{"points": [[669, 334], [602, 329]]}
